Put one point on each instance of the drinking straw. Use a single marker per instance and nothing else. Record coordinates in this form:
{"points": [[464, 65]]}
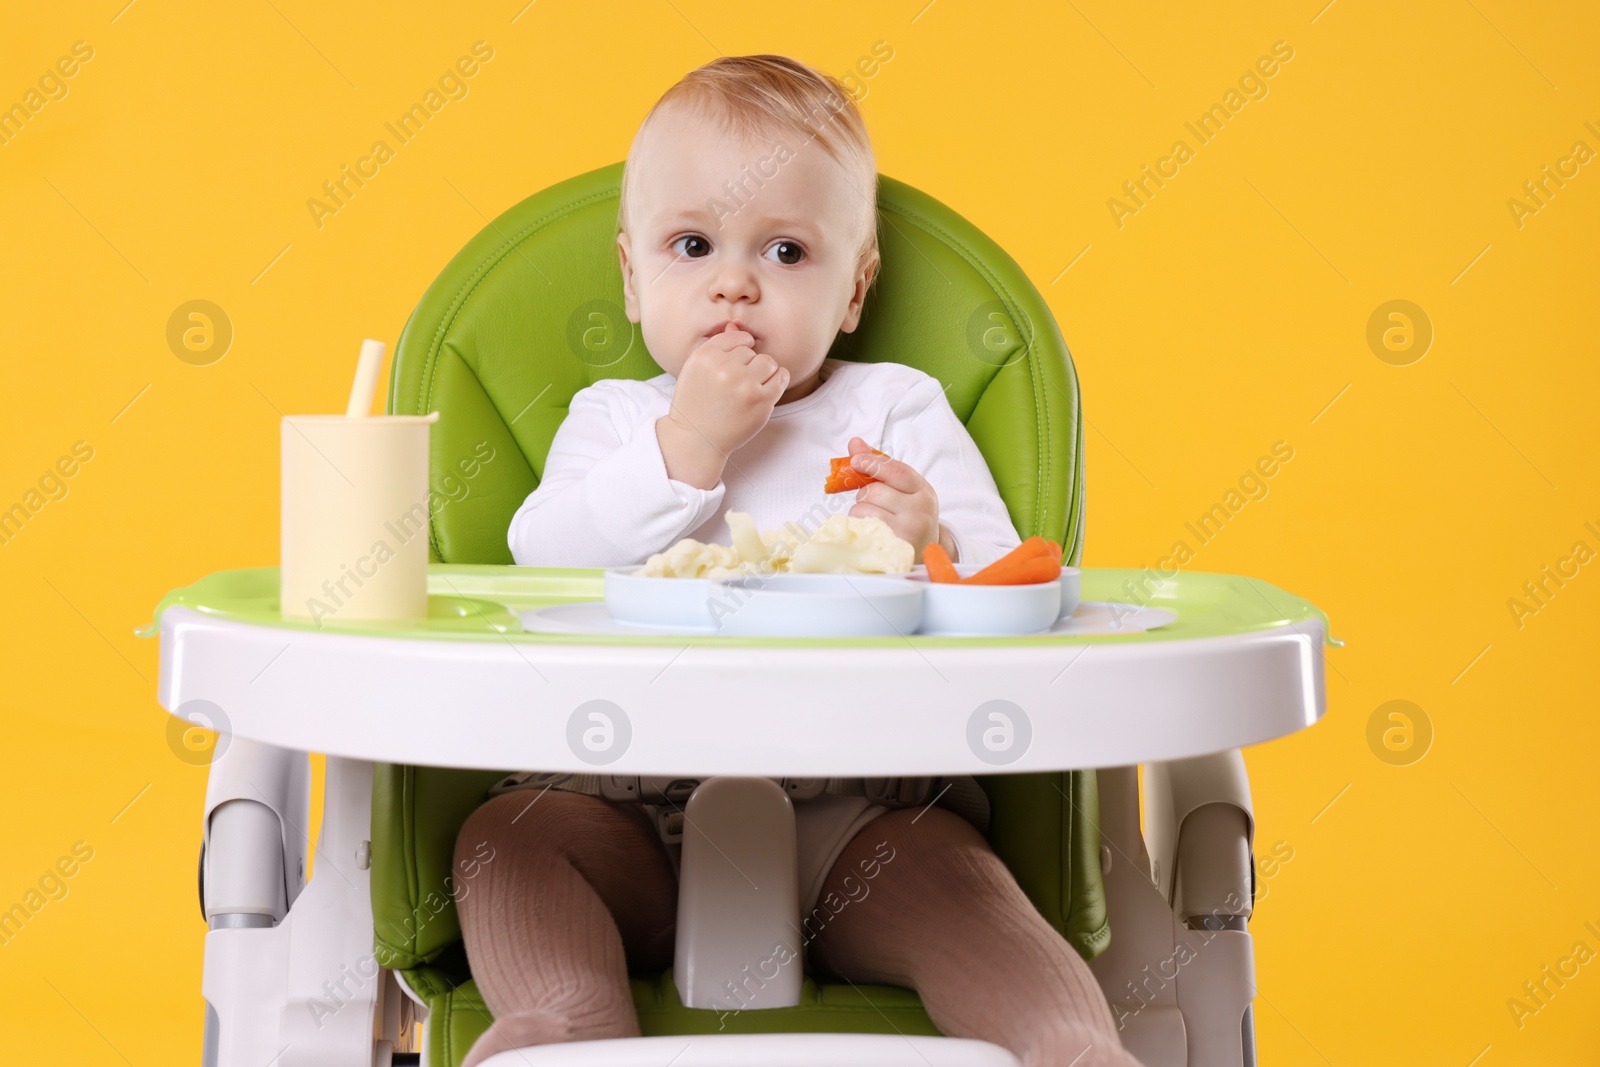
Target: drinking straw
{"points": [[366, 383]]}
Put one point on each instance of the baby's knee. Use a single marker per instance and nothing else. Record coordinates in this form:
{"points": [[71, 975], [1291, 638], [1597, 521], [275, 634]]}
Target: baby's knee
{"points": [[933, 835], [933, 858], [527, 820]]}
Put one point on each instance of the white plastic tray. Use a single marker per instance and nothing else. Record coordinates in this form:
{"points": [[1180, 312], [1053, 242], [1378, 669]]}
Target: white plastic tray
{"points": [[1090, 618]]}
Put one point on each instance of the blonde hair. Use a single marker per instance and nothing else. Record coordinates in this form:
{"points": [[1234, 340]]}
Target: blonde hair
{"points": [[755, 95]]}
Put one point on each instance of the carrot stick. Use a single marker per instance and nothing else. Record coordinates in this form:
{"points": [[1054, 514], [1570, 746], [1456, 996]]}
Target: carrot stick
{"points": [[1032, 548], [1038, 546], [1034, 545], [1013, 567], [1009, 571], [940, 569]]}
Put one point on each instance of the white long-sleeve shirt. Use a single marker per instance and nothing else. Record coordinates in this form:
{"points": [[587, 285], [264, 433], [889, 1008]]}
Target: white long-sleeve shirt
{"points": [[606, 500]]}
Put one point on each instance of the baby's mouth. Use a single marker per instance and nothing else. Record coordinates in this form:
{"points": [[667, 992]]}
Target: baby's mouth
{"points": [[721, 328]]}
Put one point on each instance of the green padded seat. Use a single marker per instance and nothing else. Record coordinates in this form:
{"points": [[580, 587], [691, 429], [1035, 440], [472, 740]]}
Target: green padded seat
{"points": [[529, 312]]}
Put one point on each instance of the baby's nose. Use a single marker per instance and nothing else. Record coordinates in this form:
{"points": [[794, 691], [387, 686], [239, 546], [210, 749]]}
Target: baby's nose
{"points": [[734, 281]]}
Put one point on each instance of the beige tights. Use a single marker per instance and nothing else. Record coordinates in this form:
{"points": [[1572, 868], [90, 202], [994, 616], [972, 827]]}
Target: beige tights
{"points": [[580, 891]]}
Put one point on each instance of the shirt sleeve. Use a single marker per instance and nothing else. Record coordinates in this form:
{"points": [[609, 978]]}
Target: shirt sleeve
{"points": [[605, 499], [926, 433]]}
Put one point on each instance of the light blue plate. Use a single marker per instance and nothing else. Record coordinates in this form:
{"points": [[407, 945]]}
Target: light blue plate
{"points": [[953, 610], [1071, 590], [772, 605]]}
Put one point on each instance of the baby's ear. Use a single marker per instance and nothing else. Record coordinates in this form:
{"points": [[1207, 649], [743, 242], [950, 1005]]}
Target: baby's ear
{"points": [[630, 299], [858, 296]]}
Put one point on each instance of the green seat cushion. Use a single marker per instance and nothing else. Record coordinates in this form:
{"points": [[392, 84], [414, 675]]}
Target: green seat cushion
{"points": [[1042, 825], [530, 311]]}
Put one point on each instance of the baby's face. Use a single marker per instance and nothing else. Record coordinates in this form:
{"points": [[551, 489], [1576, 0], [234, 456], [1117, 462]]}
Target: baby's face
{"points": [[782, 265]]}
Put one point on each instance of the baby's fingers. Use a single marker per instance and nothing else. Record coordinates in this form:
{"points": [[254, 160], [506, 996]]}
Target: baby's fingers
{"points": [[864, 510], [731, 338], [891, 472]]}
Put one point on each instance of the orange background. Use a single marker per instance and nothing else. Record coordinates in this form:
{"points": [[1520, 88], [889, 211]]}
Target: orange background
{"points": [[1229, 312]]}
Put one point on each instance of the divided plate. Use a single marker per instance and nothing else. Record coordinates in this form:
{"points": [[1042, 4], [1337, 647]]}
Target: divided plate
{"points": [[770, 605]]}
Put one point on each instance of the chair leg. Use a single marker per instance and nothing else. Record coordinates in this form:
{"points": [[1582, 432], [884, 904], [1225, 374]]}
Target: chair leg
{"points": [[1137, 970], [1175, 789], [1200, 826], [306, 991]]}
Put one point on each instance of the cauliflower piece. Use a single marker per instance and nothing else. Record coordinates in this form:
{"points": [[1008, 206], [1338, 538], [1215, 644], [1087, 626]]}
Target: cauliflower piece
{"points": [[847, 545], [746, 540], [841, 545], [691, 559]]}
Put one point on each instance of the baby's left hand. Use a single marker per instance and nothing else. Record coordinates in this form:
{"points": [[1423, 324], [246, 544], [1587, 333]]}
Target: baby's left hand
{"points": [[901, 497]]}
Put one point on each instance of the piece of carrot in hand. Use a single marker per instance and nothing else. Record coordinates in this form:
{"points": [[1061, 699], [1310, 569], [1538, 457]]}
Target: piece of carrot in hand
{"points": [[842, 477], [937, 560]]}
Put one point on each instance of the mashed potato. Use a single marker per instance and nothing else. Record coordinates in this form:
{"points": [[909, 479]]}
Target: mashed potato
{"points": [[841, 545]]}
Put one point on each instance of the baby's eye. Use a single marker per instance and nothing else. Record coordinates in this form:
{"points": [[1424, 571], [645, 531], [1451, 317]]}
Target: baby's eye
{"points": [[787, 249], [699, 241]]}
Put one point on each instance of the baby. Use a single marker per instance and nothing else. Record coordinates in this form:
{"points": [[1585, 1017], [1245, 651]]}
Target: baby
{"points": [[747, 235]]}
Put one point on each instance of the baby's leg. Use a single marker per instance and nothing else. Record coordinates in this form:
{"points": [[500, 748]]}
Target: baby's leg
{"points": [[537, 915], [930, 906]]}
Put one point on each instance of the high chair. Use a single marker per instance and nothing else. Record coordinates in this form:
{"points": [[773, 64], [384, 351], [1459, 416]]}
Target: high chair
{"points": [[529, 312]]}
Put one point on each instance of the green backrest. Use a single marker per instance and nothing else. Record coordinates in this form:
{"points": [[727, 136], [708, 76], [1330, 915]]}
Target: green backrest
{"points": [[530, 311]]}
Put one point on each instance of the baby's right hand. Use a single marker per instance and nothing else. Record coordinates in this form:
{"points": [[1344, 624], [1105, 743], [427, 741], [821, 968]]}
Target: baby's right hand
{"points": [[727, 390]]}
